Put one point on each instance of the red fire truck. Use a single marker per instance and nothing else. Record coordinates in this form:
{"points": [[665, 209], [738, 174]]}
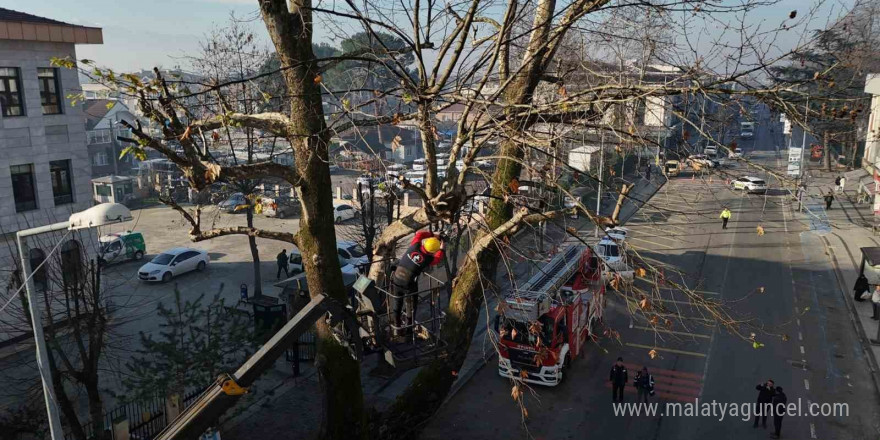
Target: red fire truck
{"points": [[545, 324]]}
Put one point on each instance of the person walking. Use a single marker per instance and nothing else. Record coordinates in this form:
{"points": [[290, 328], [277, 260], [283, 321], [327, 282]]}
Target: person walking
{"points": [[829, 198], [725, 216], [644, 383], [861, 287], [648, 172], [765, 398], [283, 262], [875, 302], [841, 184], [779, 406], [619, 377]]}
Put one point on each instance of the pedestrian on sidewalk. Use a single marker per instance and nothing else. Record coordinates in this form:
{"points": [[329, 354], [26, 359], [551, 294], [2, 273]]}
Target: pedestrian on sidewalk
{"points": [[841, 184], [619, 378], [837, 183], [780, 400], [765, 398], [875, 302], [725, 216], [829, 199], [283, 262], [648, 172], [861, 287], [644, 383]]}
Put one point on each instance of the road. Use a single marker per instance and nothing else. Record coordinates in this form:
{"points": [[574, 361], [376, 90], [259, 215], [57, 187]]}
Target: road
{"points": [[781, 284]]}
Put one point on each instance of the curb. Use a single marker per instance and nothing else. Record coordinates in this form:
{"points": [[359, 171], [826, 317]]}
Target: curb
{"points": [[863, 337]]}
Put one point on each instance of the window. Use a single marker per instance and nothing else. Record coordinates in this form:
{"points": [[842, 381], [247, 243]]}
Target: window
{"points": [[71, 264], [100, 158], [343, 254], [23, 188], [61, 187], [10, 92], [50, 92], [99, 137], [103, 190]]}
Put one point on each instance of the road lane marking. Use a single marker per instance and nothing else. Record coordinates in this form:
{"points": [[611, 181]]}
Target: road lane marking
{"points": [[802, 349], [670, 350], [807, 384], [696, 335], [812, 431], [800, 336]]}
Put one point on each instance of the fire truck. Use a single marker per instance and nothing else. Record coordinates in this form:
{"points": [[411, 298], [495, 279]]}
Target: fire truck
{"points": [[546, 323]]}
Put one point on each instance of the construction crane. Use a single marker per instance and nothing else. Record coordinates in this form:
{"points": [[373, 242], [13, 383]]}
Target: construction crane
{"points": [[228, 388]]}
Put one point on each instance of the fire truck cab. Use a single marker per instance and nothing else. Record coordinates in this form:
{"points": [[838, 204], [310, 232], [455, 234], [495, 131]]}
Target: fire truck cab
{"points": [[545, 324]]}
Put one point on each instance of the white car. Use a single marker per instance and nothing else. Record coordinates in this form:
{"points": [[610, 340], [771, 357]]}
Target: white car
{"points": [[172, 263], [343, 212], [351, 253], [702, 160], [737, 152], [750, 184], [710, 151]]}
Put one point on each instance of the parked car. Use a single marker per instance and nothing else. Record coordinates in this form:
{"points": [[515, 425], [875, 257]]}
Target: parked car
{"points": [[120, 247], [343, 212], [234, 204], [750, 184], [737, 152], [174, 262], [334, 168], [351, 253], [416, 178], [280, 207], [710, 151]]}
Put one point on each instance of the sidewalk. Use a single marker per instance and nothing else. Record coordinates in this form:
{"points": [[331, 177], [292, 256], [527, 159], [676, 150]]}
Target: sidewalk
{"points": [[847, 229]]}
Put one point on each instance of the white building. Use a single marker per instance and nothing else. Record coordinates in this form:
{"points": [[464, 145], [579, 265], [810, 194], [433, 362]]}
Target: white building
{"points": [[872, 137], [44, 165]]}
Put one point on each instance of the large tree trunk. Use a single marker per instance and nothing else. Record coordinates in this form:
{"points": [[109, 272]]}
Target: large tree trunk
{"points": [[290, 27], [255, 255]]}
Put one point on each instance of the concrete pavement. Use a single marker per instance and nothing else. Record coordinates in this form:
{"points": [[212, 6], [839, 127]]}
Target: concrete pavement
{"points": [[780, 286]]}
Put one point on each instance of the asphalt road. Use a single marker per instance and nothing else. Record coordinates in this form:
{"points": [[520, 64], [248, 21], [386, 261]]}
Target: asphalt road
{"points": [[779, 285]]}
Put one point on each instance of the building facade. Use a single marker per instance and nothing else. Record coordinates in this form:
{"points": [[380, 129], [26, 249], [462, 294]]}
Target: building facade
{"points": [[103, 128], [872, 136], [44, 166]]}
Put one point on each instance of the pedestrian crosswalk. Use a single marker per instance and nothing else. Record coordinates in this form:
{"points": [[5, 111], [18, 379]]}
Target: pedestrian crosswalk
{"points": [[670, 385]]}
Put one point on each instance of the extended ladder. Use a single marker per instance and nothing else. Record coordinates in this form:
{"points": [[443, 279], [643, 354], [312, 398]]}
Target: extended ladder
{"points": [[554, 274]]}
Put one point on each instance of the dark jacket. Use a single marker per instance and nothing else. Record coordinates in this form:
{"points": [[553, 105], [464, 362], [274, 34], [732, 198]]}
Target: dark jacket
{"points": [[765, 394], [281, 259], [779, 402], [861, 284], [645, 381], [829, 198], [415, 260], [619, 375]]}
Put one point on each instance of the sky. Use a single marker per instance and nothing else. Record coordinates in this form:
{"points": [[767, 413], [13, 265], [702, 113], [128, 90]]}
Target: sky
{"points": [[147, 33]]}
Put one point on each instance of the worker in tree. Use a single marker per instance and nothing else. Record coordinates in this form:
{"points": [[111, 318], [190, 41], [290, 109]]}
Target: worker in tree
{"points": [[425, 249]]}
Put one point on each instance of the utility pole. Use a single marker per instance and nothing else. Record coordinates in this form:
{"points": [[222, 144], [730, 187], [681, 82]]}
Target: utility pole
{"points": [[601, 169]]}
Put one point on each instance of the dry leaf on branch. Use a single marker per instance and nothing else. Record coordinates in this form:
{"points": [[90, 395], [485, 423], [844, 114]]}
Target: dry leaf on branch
{"points": [[652, 354]]}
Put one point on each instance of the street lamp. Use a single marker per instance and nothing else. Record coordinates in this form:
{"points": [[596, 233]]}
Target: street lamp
{"points": [[98, 215]]}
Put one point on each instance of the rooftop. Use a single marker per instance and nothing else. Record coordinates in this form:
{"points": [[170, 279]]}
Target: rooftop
{"points": [[15, 25]]}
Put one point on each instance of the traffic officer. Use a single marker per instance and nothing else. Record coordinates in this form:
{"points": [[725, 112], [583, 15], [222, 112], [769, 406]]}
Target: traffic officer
{"points": [[725, 216], [425, 249], [618, 378]]}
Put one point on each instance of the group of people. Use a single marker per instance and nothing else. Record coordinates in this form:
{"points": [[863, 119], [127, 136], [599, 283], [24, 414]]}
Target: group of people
{"points": [[643, 382], [862, 290], [771, 400]]}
